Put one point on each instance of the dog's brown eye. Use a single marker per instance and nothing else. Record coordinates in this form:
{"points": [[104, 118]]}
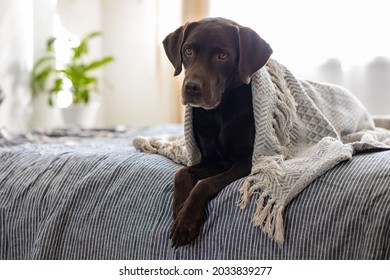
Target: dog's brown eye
{"points": [[222, 56], [188, 51]]}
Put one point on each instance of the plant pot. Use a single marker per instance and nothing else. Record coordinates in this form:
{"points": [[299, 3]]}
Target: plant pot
{"points": [[83, 115]]}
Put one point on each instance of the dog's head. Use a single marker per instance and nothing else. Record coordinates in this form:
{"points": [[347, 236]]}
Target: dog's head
{"points": [[217, 55]]}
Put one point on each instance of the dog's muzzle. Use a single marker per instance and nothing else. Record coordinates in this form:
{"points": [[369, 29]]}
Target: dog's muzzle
{"points": [[192, 88], [195, 94]]}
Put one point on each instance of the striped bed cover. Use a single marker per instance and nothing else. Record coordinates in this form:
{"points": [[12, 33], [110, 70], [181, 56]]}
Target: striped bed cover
{"points": [[105, 200]]}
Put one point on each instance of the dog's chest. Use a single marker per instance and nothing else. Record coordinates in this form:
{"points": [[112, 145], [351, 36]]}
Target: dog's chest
{"points": [[227, 132]]}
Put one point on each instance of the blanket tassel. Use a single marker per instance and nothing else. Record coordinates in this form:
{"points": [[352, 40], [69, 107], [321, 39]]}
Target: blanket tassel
{"points": [[270, 219]]}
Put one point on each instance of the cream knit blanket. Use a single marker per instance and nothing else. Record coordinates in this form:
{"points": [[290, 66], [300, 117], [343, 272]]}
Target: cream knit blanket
{"points": [[303, 129]]}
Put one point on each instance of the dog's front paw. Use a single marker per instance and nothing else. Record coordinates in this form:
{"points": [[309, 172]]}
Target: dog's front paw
{"points": [[184, 232], [177, 204], [186, 227]]}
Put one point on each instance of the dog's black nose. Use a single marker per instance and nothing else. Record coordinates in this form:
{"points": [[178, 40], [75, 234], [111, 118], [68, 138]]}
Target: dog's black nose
{"points": [[192, 88]]}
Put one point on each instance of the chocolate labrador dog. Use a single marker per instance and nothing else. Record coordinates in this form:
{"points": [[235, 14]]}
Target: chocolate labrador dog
{"points": [[219, 57]]}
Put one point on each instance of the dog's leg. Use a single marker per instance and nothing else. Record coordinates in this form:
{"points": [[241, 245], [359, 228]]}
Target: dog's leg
{"points": [[186, 179], [187, 224]]}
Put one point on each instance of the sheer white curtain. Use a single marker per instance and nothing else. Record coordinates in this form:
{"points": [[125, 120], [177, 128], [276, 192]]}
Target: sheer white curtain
{"points": [[339, 41], [15, 61], [24, 28]]}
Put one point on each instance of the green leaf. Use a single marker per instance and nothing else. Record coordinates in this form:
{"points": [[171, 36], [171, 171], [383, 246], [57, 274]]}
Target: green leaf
{"points": [[91, 35], [82, 49], [39, 79], [58, 83], [85, 96], [42, 69], [98, 63], [50, 100], [75, 73], [50, 43]]}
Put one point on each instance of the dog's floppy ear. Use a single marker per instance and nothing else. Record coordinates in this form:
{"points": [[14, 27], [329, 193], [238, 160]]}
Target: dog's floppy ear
{"points": [[172, 46], [254, 52]]}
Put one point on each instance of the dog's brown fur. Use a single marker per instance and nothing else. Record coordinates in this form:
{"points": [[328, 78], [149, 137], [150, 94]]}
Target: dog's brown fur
{"points": [[219, 57]]}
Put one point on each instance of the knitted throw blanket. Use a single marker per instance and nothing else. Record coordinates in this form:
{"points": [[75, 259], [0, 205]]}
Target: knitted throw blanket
{"points": [[302, 128]]}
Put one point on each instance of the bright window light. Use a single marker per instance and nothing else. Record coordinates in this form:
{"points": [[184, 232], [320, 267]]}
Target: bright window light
{"points": [[65, 41], [306, 33], [64, 99]]}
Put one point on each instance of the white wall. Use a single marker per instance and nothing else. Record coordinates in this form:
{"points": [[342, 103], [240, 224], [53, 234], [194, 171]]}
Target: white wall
{"points": [[141, 92]]}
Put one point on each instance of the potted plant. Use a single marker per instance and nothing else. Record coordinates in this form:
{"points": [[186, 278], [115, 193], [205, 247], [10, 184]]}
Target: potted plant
{"points": [[71, 78]]}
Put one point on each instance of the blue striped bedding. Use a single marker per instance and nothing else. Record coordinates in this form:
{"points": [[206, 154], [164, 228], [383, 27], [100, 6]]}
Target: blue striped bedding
{"points": [[99, 198]]}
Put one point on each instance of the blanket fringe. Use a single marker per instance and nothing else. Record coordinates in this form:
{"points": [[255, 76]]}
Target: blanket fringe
{"points": [[285, 106], [279, 226], [172, 147], [267, 172], [263, 213], [269, 217], [145, 144], [269, 169]]}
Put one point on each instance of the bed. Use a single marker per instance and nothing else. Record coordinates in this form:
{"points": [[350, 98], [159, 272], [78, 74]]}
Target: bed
{"points": [[89, 194]]}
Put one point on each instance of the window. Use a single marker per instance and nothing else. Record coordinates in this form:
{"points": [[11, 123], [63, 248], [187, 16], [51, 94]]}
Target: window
{"points": [[304, 33]]}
